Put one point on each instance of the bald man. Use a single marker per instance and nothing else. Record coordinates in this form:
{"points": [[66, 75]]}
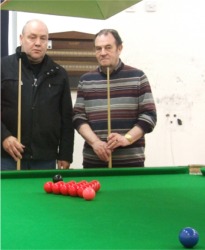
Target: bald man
{"points": [[47, 133]]}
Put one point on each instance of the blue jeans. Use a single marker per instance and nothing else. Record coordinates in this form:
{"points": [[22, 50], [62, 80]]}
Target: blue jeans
{"points": [[10, 164]]}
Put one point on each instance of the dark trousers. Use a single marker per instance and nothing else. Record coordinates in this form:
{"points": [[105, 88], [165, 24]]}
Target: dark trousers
{"points": [[10, 164]]}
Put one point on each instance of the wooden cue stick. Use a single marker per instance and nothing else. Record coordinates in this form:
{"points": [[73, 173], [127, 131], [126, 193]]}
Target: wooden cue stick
{"points": [[108, 111], [19, 113]]}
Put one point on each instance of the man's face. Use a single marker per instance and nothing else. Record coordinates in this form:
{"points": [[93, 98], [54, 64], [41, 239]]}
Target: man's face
{"points": [[106, 51], [34, 41]]}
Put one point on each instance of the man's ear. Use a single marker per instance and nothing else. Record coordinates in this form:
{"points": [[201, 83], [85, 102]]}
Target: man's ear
{"points": [[120, 47], [20, 38]]}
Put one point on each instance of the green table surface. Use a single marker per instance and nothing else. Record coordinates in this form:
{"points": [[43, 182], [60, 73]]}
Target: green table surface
{"points": [[142, 208]]}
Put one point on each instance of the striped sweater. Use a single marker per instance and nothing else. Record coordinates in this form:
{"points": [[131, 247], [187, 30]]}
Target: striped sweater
{"points": [[131, 104]]}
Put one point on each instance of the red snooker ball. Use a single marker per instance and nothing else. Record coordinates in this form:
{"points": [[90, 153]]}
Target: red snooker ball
{"points": [[72, 190], [56, 188], [64, 189], [80, 189], [88, 193], [48, 186], [60, 183], [96, 185]]}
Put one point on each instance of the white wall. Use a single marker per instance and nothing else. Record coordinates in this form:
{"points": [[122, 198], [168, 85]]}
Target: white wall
{"points": [[168, 45]]}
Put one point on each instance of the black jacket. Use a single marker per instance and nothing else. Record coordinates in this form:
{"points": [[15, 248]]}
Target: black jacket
{"points": [[46, 117]]}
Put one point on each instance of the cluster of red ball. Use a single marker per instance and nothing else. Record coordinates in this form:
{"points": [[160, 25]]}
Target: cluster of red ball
{"points": [[84, 189]]}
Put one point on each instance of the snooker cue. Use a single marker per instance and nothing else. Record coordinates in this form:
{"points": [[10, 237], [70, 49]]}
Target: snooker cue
{"points": [[19, 113], [108, 112]]}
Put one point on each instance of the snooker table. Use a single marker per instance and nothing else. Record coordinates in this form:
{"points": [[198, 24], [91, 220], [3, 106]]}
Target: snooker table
{"points": [[136, 208]]}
